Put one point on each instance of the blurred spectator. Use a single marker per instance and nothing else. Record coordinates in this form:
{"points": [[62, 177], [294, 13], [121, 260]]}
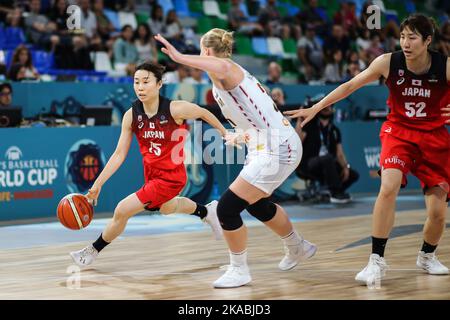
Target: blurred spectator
{"points": [[313, 16], [375, 49], [125, 52], [323, 155], [274, 24], [88, 19], [346, 17], [5, 95], [13, 72], [334, 70], [364, 15], [156, 20], [196, 77], [22, 65], [13, 17], [310, 54], [174, 31], [352, 70], [177, 76], [337, 40], [75, 55], [41, 30], [104, 26], [391, 35], [363, 40], [443, 39], [355, 58], [239, 21], [278, 97], [145, 44], [273, 73], [59, 15]]}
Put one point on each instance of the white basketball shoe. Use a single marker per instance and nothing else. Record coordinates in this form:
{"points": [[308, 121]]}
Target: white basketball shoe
{"points": [[297, 253], [235, 276], [85, 256], [212, 219], [374, 271], [430, 263]]}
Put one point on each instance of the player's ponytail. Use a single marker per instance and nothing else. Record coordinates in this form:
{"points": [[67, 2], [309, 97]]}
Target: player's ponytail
{"points": [[221, 41]]}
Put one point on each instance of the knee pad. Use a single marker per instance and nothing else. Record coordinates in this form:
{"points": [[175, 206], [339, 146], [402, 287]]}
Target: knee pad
{"points": [[229, 210], [263, 210]]}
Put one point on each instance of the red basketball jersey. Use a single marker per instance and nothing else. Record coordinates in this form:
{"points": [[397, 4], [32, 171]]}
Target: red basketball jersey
{"points": [[160, 138], [416, 100]]}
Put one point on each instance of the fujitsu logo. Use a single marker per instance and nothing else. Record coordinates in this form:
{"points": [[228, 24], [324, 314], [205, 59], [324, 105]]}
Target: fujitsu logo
{"points": [[395, 160]]}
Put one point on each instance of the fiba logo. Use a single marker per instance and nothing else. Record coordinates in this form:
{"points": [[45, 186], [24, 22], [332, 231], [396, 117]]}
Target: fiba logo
{"points": [[13, 153], [89, 168], [84, 162]]}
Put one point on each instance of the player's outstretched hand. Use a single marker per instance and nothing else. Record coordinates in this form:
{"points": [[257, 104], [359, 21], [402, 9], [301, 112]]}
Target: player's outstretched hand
{"points": [[446, 114], [168, 49], [305, 114], [93, 194]]}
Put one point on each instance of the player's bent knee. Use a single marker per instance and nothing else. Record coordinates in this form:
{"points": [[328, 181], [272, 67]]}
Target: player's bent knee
{"points": [[263, 210], [120, 213], [437, 216], [229, 210], [389, 189]]}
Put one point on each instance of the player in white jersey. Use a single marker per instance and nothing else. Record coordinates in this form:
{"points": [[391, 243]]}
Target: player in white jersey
{"points": [[274, 151]]}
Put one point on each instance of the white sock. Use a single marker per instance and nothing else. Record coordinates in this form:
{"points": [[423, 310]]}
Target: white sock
{"points": [[238, 259], [292, 239]]}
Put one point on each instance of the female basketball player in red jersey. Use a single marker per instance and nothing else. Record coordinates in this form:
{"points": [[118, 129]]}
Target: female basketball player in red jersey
{"points": [[158, 124], [413, 139], [274, 151]]}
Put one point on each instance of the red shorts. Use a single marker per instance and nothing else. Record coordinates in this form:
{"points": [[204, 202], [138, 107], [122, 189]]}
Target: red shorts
{"points": [[161, 186], [426, 154]]}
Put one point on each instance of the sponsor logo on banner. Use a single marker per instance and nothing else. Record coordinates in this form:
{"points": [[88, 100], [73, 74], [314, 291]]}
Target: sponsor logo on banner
{"points": [[372, 157], [84, 162], [18, 170]]}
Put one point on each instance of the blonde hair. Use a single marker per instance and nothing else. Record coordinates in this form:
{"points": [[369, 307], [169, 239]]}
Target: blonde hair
{"points": [[221, 41]]}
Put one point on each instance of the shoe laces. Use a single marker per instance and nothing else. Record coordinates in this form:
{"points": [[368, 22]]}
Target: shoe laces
{"points": [[230, 270], [90, 250], [430, 258], [292, 250], [378, 261]]}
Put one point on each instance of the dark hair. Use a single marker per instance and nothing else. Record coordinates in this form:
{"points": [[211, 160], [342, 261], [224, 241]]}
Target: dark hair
{"points": [[6, 85], [125, 27], [420, 24], [152, 67], [16, 56], [153, 13], [147, 37]]}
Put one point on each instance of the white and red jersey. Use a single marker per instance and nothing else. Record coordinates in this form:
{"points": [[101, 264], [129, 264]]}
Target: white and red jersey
{"points": [[249, 107], [160, 143], [416, 100]]}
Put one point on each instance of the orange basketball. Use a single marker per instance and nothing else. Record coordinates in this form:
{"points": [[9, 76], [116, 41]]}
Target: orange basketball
{"points": [[74, 211]]}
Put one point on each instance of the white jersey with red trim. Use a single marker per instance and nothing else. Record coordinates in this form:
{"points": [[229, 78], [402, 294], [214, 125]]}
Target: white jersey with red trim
{"points": [[250, 108]]}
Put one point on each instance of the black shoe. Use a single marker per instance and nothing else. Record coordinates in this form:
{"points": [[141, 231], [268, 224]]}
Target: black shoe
{"points": [[340, 197]]}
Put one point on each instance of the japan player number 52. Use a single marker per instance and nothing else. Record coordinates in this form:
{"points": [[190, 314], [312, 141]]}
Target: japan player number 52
{"points": [[415, 109]]}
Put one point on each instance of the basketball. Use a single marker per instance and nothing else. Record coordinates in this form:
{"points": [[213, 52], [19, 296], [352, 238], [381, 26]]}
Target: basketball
{"points": [[74, 211]]}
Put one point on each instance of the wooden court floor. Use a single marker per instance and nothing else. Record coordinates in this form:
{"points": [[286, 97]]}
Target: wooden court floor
{"points": [[184, 265]]}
